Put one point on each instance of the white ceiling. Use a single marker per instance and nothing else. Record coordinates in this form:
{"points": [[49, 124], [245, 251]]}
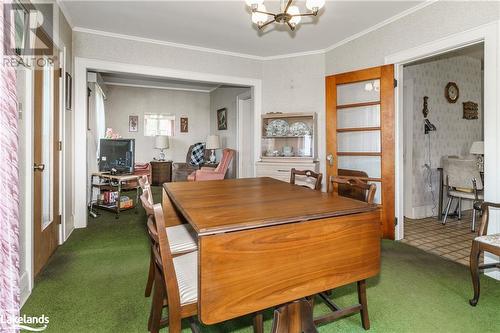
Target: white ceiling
{"points": [[226, 25]]}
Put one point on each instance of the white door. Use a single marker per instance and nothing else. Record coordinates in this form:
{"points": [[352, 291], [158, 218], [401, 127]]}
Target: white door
{"points": [[245, 148]]}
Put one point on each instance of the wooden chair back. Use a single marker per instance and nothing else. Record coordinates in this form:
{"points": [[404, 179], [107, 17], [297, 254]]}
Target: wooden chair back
{"points": [[483, 227], [164, 261], [147, 202], [316, 177], [368, 190]]}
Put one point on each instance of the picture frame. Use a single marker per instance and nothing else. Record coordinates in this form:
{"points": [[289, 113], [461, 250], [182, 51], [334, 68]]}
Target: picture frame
{"points": [[133, 123], [68, 92], [184, 124], [222, 119]]}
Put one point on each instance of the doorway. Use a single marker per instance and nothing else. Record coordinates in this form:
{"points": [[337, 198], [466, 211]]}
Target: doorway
{"points": [[245, 147], [443, 125], [46, 156]]}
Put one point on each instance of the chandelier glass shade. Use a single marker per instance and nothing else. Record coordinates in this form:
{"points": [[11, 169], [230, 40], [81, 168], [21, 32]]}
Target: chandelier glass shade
{"points": [[289, 14]]}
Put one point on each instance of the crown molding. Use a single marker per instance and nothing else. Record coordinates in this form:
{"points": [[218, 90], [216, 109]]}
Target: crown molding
{"points": [[251, 56], [133, 85], [165, 43], [65, 12]]}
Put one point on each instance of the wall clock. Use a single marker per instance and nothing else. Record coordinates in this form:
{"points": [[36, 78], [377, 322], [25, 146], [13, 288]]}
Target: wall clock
{"points": [[451, 92]]}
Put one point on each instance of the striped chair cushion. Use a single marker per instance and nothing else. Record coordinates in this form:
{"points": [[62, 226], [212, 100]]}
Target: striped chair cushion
{"points": [[493, 240], [182, 239], [186, 270]]}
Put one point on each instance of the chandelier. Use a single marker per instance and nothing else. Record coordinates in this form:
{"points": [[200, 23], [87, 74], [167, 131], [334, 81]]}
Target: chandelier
{"points": [[289, 15]]}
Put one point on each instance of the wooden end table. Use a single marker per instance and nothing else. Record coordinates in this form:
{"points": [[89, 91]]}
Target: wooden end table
{"points": [[161, 172]]}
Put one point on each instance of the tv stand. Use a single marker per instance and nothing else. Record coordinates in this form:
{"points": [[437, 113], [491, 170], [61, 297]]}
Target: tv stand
{"points": [[106, 182]]}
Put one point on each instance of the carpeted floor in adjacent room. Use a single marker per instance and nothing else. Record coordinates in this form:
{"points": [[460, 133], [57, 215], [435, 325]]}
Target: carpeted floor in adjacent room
{"points": [[95, 283]]}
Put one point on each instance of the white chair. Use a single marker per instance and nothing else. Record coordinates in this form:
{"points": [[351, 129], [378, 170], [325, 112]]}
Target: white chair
{"points": [[463, 181]]}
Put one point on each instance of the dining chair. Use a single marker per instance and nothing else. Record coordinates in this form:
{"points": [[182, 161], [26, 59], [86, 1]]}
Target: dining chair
{"points": [[463, 181], [367, 191], [182, 238], [483, 242], [310, 178], [176, 281], [362, 191]]}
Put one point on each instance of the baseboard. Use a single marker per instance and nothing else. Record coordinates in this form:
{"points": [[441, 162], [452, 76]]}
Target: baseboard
{"points": [[422, 212], [493, 272], [24, 287]]}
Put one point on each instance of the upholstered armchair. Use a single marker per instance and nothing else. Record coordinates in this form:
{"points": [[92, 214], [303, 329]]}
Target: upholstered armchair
{"points": [[181, 170], [206, 173]]}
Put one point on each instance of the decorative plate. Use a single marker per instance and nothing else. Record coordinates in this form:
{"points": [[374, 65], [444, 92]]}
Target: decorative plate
{"points": [[299, 129], [277, 127]]}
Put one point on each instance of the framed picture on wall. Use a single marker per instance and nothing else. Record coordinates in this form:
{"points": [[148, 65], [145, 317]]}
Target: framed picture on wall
{"points": [[184, 124], [133, 123], [222, 119]]}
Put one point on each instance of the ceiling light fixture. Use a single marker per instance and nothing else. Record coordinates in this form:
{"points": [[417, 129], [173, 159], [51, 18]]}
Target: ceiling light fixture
{"points": [[289, 14]]}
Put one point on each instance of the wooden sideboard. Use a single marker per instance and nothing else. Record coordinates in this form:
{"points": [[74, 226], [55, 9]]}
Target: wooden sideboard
{"points": [[161, 172]]}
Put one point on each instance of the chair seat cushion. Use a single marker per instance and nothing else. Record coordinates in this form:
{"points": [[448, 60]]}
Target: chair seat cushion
{"points": [[466, 195], [182, 239], [186, 270], [493, 240]]}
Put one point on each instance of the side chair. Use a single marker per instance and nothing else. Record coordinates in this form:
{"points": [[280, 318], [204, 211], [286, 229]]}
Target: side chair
{"points": [[361, 190], [183, 239], [308, 177], [176, 281], [483, 242]]}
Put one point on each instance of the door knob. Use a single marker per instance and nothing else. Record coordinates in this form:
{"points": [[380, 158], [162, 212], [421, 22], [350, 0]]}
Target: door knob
{"points": [[38, 167], [329, 158]]}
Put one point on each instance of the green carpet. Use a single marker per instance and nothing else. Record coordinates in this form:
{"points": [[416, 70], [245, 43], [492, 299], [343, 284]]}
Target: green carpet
{"points": [[95, 283]]}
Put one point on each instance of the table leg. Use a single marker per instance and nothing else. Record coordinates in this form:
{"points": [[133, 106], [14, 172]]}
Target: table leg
{"points": [[294, 317]]}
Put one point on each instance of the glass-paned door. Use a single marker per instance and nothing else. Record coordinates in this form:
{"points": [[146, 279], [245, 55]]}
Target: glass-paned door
{"points": [[360, 133]]}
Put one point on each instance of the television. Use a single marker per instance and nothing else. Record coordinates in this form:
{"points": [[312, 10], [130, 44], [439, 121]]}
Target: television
{"points": [[117, 155]]}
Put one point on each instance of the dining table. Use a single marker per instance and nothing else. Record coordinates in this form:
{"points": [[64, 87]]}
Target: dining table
{"points": [[267, 244]]}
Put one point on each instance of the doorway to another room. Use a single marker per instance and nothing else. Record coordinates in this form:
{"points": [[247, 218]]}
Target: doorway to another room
{"points": [[443, 148]]}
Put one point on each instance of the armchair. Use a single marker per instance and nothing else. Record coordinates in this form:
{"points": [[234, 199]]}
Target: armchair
{"points": [[206, 173], [181, 170]]}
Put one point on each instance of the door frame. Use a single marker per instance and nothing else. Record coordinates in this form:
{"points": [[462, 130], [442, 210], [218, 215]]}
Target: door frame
{"points": [[489, 35], [239, 124], [82, 65]]}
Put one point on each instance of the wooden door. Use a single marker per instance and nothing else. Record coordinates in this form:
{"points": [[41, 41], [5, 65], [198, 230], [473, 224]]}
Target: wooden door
{"points": [[360, 133], [46, 157]]}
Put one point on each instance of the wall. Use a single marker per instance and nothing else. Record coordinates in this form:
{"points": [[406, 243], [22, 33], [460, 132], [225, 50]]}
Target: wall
{"points": [[225, 97], [150, 54], [124, 101], [297, 85], [454, 135], [440, 19]]}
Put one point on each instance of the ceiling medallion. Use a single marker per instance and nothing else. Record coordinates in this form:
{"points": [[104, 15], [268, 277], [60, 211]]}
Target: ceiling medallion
{"points": [[289, 14]]}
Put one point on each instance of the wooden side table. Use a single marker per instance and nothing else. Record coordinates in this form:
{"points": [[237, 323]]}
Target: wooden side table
{"points": [[161, 172]]}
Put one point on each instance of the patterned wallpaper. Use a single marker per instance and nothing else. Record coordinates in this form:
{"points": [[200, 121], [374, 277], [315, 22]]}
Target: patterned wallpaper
{"points": [[454, 135]]}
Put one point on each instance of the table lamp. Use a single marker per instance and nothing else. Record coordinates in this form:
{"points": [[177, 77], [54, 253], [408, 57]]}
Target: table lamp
{"points": [[161, 143], [477, 148], [213, 143]]}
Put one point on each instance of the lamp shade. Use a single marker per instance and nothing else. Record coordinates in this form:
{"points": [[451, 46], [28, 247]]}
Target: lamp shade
{"points": [[161, 142], [213, 142], [477, 148]]}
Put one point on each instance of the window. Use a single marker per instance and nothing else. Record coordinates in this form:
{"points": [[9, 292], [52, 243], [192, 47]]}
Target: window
{"points": [[158, 124]]}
